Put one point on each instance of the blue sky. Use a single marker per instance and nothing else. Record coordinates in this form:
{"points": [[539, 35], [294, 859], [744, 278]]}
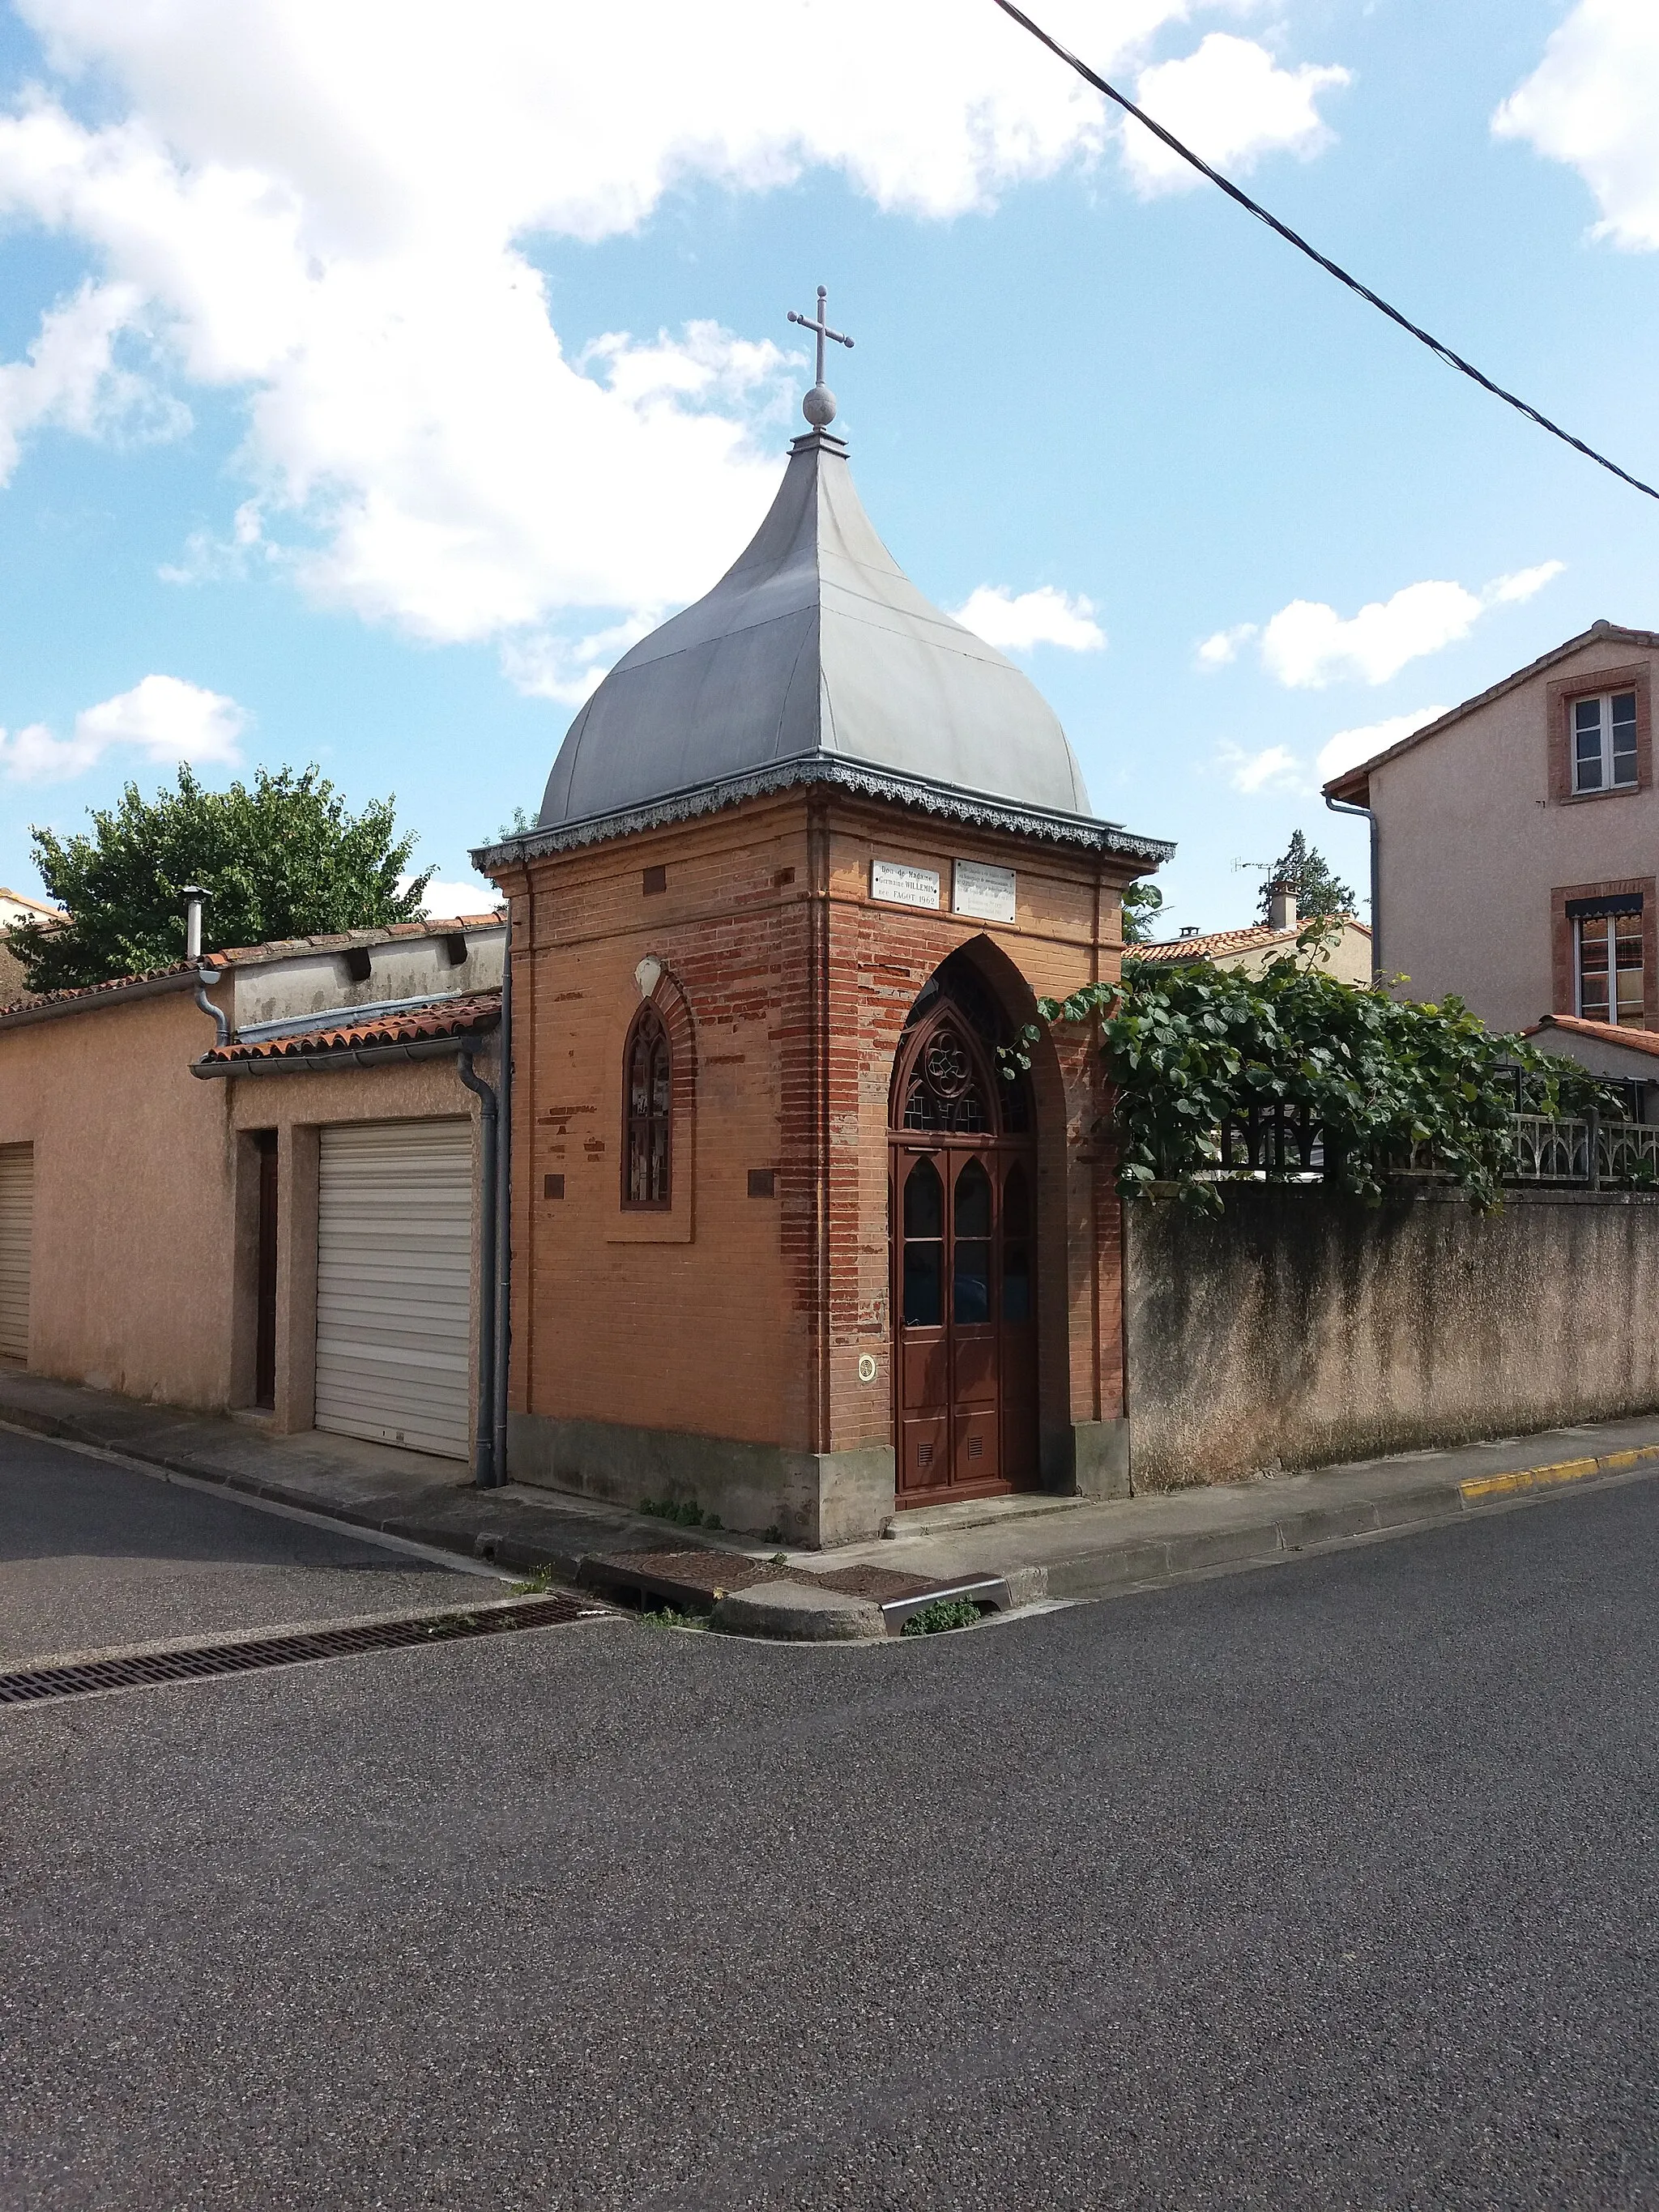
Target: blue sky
{"points": [[370, 376]]}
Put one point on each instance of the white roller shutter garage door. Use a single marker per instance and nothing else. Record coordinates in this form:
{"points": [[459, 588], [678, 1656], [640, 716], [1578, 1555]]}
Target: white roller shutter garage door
{"points": [[394, 1277], [17, 1240]]}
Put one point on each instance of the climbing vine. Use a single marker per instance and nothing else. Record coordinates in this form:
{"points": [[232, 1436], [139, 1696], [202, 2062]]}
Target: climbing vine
{"points": [[1391, 1081]]}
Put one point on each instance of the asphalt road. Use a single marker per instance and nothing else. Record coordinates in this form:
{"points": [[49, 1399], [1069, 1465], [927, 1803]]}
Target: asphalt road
{"points": [[1326, 1885], [92, 1553]]}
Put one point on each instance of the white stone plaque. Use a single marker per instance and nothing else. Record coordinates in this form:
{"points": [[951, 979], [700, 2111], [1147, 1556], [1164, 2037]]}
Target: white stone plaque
{"points": [[903, 885], [988, 894]]}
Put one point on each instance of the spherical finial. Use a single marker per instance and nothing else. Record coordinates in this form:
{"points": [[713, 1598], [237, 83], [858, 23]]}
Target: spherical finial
{"points": [[819, 407]]}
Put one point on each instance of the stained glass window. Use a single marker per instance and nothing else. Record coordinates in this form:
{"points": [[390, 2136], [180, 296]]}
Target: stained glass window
{"points": [[649, 1076]]}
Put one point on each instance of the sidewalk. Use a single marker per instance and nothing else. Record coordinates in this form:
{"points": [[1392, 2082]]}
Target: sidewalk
{"points": [[1062, 1547]]}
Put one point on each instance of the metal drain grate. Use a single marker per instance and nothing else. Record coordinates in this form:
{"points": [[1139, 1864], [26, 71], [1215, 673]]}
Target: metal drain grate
{"points": [[28, 1685]]}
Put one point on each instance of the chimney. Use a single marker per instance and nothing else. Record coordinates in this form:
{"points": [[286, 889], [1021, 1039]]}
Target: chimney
{"points": [[1281, 906], [194, 897]]}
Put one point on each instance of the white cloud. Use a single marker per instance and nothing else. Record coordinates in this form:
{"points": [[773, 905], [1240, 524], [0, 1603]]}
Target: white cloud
{"points": [[1275, 767], [1505, 591], [327, 207], [1308, 645], [1349, 747], [165, 717], [543, 666], [211, 560], [1231, 103], [445, 901], [1593, 102], [1220, 650], [71, 379], [1044, 617]]}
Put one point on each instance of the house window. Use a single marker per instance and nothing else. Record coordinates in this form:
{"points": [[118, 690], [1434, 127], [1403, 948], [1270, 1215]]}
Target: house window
{"points": [[1607, 949], [1604, 742], [647, 1080]]}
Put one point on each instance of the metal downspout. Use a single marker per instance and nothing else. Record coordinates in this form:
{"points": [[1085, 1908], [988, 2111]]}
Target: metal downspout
{"points": [[1347, 806], [205, 975], [504, 1213], [484, 1470]]}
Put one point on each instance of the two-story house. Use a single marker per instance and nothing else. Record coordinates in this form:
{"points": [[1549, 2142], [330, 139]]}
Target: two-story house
{"points": [[1515, 841]]}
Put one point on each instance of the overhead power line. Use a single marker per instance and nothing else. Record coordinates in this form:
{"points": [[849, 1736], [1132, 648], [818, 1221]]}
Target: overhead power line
{"points": [[1332, 269]]}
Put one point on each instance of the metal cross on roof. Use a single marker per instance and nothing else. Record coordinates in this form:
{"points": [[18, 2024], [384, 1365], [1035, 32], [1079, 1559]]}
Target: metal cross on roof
{"points": [[819, 404]]}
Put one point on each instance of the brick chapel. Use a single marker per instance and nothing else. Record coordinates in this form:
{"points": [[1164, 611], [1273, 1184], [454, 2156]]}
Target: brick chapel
{"points": [[784, 1244]]}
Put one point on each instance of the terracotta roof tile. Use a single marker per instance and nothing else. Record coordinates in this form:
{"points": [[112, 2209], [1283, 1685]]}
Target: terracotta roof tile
{"points": [[1254, 936], [1205, 947], [1600, 1032], [464, 1016]]}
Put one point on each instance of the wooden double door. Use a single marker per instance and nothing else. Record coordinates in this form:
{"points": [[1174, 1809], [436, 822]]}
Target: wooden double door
{"points": [[964, 1214]]}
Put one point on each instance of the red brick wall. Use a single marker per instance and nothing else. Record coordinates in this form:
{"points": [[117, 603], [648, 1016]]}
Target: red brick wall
{"points": [[741, 1316]]}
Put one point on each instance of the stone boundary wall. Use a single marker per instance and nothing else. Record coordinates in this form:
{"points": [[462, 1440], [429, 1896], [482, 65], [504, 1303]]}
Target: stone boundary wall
{"points": [[1298, 1328]]}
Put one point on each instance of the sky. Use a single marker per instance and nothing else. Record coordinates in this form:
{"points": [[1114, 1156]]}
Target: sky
{"points": [[372, 375]]}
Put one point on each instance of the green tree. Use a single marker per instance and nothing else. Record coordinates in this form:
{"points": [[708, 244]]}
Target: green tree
{"points": [[1302, 868], [1142, 904], [284, 858]]}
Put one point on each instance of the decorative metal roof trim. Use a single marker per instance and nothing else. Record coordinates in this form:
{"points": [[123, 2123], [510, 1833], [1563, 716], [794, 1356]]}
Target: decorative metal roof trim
{"points": [[855, 777]]}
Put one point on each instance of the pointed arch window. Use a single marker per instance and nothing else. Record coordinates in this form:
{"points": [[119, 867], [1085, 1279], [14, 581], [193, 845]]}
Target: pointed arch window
{"points": [[647, 1107]]}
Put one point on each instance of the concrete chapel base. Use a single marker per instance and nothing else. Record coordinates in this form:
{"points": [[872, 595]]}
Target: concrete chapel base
{"points": [[813, 1498], [1100, 1459]]}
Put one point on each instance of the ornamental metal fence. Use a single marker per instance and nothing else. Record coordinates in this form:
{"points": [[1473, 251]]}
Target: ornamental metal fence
{"points": [[1591, 1152], [1273, 1141], [1271, 1137]]}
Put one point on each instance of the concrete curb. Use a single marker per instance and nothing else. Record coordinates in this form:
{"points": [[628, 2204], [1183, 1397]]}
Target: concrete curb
{"points": [[1144, 1565], [1481, 1487], [1099, 1570], [792, 1613]]}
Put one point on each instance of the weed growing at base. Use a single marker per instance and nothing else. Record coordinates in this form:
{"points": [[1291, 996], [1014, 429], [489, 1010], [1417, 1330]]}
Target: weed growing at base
{"points": [[945, 1612], [689, 1514]]}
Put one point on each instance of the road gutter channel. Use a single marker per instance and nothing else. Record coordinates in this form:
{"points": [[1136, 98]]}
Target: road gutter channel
{"points": [[268, 1649]]}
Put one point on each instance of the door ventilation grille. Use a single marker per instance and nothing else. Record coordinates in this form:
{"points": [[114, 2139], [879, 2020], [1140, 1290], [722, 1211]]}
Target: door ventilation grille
{"points": [[29, 1684]]}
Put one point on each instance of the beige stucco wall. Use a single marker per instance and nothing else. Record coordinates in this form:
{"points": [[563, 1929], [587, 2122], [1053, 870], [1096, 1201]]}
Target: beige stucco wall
{"points": [[1298, 1327], [133, 1223], [1346, 955], [1471, 845], [146, 1197]]}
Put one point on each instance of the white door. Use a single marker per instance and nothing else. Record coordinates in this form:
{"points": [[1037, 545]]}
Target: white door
{"points": [[394, 1283], [16, 1236]]}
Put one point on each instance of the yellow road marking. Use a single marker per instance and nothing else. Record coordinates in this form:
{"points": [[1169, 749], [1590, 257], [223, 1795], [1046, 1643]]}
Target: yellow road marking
{"points": [[1562, 1470]]}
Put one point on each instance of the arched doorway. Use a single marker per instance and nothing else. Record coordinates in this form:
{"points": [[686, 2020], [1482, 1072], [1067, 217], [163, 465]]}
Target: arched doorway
{"points": [[961, 1160]]}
